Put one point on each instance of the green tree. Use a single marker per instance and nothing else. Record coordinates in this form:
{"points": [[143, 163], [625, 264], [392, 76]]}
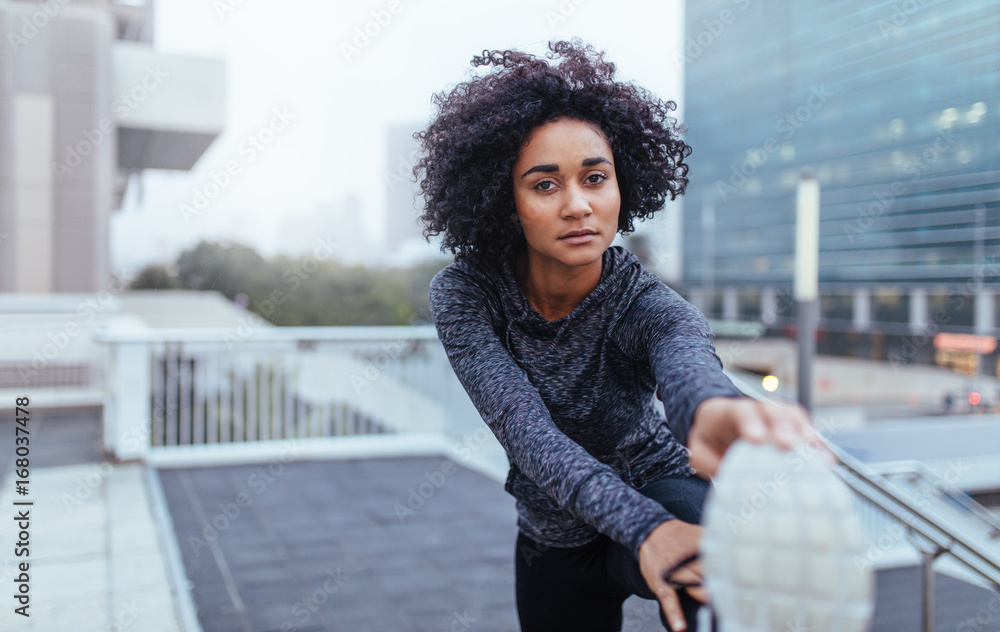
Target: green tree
{"points": [[154, 277], [301, 291]]}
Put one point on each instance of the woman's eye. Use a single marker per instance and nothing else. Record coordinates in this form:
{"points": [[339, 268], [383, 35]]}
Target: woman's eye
{"points": [[544, 185], [596, 178]]}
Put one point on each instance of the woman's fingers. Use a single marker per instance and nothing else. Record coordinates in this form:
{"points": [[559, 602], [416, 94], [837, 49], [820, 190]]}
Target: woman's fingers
{"points": [[721, 420], [669, 544], [671, 607], [791, 426], [705, 459], [786, 422], [699, 593], [688, 574], [752, 424]]}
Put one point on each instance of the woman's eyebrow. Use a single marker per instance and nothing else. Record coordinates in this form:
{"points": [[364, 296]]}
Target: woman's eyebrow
{"points": [[542, 168], [587, 162]]}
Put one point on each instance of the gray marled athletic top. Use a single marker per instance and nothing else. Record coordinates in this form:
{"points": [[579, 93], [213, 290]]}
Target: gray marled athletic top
{"points": [[571, 400]]}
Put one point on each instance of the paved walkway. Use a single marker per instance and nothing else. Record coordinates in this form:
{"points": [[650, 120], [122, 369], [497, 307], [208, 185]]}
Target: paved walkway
{"points": [[96, 561]]}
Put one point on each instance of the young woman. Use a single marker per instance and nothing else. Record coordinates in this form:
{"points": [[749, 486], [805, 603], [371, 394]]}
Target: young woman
{"points": [[561, 341]]}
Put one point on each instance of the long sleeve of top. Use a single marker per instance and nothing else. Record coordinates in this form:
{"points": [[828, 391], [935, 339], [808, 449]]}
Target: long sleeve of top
{"points": [[571, 400]]}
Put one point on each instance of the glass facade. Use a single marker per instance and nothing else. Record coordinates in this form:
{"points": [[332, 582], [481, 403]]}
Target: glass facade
{"points": [[895, 105]]}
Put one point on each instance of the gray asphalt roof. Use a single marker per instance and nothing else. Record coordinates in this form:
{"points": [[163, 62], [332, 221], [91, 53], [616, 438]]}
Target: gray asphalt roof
{"points": [[343, 533]]}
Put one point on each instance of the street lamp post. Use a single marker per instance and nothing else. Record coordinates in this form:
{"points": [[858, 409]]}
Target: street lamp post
{"points": [[708, 255], [807, 279]]}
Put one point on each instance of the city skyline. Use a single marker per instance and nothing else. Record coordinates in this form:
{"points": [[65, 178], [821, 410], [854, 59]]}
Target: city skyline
{"points": [[334, 149]]}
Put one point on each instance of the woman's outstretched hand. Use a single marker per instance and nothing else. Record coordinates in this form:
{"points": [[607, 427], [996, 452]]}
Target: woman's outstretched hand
{"points": [[667, 545], [719, 421]]}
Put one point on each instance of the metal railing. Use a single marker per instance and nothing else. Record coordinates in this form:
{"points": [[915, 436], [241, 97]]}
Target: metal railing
{"points": [[930, 535], [919, 475]]}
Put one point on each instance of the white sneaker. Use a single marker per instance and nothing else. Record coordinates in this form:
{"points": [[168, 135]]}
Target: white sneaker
{"points": [[780, 543]]}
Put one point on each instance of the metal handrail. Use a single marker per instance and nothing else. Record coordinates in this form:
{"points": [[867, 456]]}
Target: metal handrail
{"points": [[921, 471], [876, 489]]}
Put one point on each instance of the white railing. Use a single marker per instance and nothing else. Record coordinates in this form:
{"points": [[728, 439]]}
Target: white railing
{"points": [[215, 395]]}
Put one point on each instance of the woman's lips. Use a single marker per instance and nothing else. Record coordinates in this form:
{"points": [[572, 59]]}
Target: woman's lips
{"points": [[579, 239]]}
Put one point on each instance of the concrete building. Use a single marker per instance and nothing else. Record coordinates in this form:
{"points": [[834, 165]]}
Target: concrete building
{"points": [[404, 243], [85, 103], [896, 107]]}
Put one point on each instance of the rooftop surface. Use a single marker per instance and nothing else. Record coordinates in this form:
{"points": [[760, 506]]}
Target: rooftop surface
{"points": [[306, 545]]}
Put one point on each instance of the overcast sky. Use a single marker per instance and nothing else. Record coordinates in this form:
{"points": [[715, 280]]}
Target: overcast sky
{"points": [[291, 55]]}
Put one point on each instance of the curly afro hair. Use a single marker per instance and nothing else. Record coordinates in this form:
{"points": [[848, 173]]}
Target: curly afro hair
{"points": [[469, 148]]}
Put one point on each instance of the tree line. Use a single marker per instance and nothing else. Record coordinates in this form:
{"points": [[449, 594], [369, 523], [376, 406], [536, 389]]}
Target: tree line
{"points": [[299, 291]]}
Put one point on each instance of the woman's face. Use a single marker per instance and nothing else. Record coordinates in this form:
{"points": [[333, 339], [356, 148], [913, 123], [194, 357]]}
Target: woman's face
{"points": [[564, 184]]}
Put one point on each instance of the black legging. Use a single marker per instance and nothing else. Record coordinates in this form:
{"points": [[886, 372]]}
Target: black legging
{"points": [[582, 589]]}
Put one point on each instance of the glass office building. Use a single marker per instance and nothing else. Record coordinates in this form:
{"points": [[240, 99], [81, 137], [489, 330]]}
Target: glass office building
{"points": [[895, 106]]}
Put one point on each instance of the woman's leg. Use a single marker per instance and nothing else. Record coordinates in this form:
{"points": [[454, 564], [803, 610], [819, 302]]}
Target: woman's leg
{"points": [[684, 497], [566, 588]]}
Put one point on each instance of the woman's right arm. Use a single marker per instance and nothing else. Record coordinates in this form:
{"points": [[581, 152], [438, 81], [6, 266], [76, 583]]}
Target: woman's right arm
{"points": [[514, 410]]}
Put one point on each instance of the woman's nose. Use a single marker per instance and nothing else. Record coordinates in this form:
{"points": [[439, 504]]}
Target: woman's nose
{"points": [[576, 203]]}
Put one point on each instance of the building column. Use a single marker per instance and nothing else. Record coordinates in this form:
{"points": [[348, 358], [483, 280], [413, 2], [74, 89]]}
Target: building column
{"points": [[985, 319], [730, 304], [768, 306], [34, 192], [697, 298], [918, 309], [862, 305]]}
